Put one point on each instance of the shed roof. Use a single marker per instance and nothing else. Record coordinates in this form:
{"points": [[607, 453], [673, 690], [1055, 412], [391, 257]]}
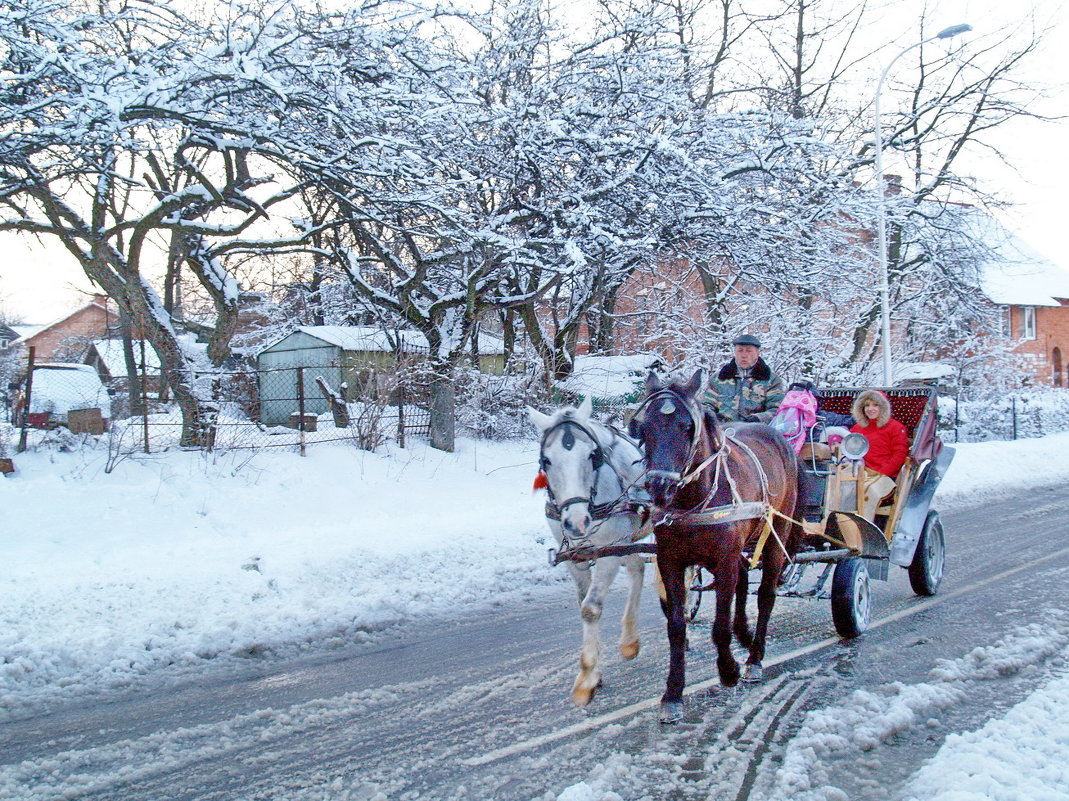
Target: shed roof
{"points": [[610, 376], [369, 338], [110, 351]]}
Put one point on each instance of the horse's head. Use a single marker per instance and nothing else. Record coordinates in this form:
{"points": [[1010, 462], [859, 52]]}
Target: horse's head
{"points": [[570, 458], [670, 424]]}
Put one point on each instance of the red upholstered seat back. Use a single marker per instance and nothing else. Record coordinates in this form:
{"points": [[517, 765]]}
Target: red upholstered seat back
{"points": [[913, 408]]}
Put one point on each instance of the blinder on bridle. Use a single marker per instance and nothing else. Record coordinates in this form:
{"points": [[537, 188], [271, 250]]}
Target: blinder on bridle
{"points": [[667, 402], [597, 457]]}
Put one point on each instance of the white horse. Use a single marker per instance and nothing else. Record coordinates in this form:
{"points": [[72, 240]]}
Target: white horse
{"points": [[587, 470]]}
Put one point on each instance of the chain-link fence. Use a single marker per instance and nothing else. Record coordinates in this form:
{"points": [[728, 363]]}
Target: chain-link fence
{"points": [[254, 409]]}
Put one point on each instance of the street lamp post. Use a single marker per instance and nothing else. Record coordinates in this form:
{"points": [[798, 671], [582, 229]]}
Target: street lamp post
{"points": [[881, 216]]}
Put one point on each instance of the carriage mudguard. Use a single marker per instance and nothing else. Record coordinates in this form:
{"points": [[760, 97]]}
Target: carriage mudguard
{"points": [[915, 511], [862, 536]]}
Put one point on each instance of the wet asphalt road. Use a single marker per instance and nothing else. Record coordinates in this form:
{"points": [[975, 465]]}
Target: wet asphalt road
{"points": [[478, 708]]}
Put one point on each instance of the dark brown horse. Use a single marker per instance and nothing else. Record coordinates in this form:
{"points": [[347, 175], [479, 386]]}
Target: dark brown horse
{"points": [[698, 475]]}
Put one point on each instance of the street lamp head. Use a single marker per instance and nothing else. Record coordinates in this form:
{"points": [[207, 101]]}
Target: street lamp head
{"points": [[953, 30]]}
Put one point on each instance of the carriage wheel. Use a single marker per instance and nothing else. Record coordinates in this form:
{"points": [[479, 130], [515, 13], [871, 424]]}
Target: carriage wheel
{"points": [[926, 569], [850, 597], [694, 580]]}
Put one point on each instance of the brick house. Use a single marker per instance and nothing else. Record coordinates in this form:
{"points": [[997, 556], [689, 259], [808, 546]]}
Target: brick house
{"points": [[1032, 293], [97, 319]]}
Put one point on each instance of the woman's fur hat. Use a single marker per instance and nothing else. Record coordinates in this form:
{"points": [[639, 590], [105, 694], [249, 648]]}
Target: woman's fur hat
{"points": [[871, 396]]}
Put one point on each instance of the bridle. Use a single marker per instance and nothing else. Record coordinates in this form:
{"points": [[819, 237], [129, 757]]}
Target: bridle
{"points": [[721, 446], [623, 503], [597, 461], [669, 398]]}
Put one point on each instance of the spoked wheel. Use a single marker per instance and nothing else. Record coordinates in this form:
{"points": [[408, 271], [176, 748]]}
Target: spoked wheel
{"points": [[850, 598], [926, 569], [695, 581]]}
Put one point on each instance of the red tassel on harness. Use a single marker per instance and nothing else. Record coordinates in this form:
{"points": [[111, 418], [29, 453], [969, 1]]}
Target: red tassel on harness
{"points": [[540, 482]]}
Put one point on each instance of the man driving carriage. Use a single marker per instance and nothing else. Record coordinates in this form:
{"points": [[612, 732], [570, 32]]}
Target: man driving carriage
{"points": [[745, 389]]}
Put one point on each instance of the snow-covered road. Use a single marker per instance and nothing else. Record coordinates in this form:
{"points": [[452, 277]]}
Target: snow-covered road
{"points": [[173, 587]]}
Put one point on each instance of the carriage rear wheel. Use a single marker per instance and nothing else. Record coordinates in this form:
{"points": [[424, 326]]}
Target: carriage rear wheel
{"points": [[694, 582], [850, 598], [926, 569]]}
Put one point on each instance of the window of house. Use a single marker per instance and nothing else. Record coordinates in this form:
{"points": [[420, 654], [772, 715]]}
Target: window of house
{"points": [[1004, 329], [1028, 322]]}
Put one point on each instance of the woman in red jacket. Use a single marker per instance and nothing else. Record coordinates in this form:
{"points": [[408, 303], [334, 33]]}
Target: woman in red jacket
{"points": [[888, 446]]}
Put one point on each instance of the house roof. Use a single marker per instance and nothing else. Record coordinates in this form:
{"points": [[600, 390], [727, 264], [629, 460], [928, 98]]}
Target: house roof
{"points": [[610, 376], [26, 331], [369, 338], [1014, 274], [7, 332], [110, 352], [99, 301]]}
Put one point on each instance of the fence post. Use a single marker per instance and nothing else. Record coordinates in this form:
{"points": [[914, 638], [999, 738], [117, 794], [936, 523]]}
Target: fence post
{"points": [[300, 408], [26, 401], [401, 416], [144, 395], [1013, 413]]}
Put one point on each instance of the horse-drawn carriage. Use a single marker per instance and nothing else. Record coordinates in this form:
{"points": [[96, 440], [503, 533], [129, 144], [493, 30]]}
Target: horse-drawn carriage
{"points": [[905, 530], [730, 500]]}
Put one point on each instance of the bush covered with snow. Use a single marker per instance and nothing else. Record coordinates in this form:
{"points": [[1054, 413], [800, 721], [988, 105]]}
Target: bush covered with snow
{"points": [[492, 406], [1019, 415]]}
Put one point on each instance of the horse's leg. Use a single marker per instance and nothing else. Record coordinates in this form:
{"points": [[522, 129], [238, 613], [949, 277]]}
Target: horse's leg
{"points": [[675, 592], [590, 606], [727, 579], [629, 644], [742, 590], [771, 569]]}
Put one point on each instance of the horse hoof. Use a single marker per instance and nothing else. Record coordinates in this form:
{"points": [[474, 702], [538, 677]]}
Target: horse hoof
{"points": [[753, 674], [671, 711], [582, 697], [629, 650]]}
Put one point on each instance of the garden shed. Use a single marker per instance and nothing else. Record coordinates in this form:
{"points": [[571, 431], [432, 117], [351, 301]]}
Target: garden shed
{"points": [[341, 355]]}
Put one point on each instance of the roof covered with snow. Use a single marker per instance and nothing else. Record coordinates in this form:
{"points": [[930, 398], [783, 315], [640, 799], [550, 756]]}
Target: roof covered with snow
{"points": [[58, 388], [369, 338], [922, 371], [110, 351], [1015, 274], [609, 376], [26, 331]]}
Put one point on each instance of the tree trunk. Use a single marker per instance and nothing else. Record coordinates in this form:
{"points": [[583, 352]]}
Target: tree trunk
{"points": [[443, 409], [134, 391], [198, 414]]}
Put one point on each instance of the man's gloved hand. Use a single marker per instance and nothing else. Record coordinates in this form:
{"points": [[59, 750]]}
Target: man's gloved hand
{"points": [[750, 418]]}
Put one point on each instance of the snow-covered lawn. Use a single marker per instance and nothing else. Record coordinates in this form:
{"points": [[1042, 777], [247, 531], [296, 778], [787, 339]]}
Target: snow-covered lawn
{"points": [[175, 559]]}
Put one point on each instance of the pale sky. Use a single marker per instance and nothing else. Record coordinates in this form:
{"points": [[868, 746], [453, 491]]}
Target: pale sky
{"points": [[39, 286]]}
